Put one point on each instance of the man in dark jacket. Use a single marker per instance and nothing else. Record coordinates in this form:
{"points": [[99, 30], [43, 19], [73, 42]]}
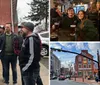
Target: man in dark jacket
{"points": [[9, 47], [68, 26], [1, 33], [55, 14], [1, 29], [30, 54]]}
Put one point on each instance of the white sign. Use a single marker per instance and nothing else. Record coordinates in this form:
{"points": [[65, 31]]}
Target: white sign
{"points": [[73, 26]]}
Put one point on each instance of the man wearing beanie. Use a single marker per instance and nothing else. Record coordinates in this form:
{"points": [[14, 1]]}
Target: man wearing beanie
{"points": [[30, 54]]}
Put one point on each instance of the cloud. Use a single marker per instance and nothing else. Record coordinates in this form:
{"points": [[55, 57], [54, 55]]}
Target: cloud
{"points": [[55, 45], [63, 43], [94, 47], [80, 46], [69, 46], [65, 56], [66, 45], [67, 64]]}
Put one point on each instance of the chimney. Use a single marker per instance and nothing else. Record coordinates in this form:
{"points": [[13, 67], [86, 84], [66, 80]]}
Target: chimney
{"points": [[84, 51]]}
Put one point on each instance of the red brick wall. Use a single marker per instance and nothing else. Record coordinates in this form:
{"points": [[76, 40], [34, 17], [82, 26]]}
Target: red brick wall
{"points": [[5, 11], [76, 61]]}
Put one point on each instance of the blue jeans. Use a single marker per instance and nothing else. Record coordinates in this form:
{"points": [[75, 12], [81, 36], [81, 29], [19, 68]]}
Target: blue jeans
{"points": [[38, 81], [13, 61], [3, 71], [21, 76], [30, 78]]}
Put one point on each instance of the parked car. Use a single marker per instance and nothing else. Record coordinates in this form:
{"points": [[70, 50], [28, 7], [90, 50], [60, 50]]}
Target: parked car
{"points": [[53, 77], [44, 36], [62, 77], [68, 76]]}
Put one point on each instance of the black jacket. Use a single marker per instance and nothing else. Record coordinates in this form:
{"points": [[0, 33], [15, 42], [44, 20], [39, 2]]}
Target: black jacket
{"points": [[93, 16], [88, 32], [67, 22], [16, 46], [30, 53]]}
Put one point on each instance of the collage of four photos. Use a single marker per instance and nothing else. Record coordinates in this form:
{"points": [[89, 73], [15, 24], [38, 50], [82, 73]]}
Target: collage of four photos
{"points": [[50, 42]]}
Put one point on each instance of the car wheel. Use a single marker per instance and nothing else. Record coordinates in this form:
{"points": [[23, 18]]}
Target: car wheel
{"points": [[44, 51]]}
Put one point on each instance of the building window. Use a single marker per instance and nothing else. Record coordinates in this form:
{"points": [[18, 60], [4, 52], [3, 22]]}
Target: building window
{"points": [[79, 65], [79, 73], [51, 62], [84, 65], [89, 66], [84, 59], [80, 59], [89, 61], [89, 73], [51, 67]]}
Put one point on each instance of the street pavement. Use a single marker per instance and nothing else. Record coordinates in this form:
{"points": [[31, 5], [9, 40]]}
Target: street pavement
{"points": [[90, 82], [68, 82], [65, 82], [44, 73]]}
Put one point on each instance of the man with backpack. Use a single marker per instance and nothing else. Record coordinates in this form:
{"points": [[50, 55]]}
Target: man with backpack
{"points": [[30, 54]]}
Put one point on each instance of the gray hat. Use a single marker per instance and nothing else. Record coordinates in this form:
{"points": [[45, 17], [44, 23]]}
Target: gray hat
{"points": [[28, 25]]}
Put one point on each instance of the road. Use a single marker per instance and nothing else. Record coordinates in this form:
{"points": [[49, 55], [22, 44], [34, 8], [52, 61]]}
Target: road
{"points": [[66, 82]]}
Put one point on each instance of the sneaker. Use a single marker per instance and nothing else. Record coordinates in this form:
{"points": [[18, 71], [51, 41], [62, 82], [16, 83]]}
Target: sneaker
{"points": [[6, 84], [15, 84], [3, 80]]}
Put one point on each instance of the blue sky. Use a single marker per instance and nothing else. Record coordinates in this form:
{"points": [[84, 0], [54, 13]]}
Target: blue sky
{"points": [[75, 47]]}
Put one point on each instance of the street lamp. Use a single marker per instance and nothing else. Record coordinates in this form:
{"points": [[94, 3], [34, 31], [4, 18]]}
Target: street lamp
{"points": [[98, 64]]}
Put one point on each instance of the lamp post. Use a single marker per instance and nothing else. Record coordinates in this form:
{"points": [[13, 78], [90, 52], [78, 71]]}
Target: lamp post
{"points": [[98, 64]]}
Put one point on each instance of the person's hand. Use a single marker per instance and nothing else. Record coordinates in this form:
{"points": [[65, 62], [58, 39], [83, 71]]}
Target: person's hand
{"points": [[53, 27]]}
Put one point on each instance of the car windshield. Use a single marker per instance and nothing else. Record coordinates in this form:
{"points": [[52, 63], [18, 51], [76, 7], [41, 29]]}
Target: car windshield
{"points": [[45, 35]]}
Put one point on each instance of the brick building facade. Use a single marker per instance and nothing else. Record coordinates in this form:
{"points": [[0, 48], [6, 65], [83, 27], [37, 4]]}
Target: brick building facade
{"points": [[83, 66], [8, 13]]}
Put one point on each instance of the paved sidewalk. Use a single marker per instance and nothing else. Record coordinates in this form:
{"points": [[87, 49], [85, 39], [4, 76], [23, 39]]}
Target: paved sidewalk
{"points": [[44, 75], [90, 82]]}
